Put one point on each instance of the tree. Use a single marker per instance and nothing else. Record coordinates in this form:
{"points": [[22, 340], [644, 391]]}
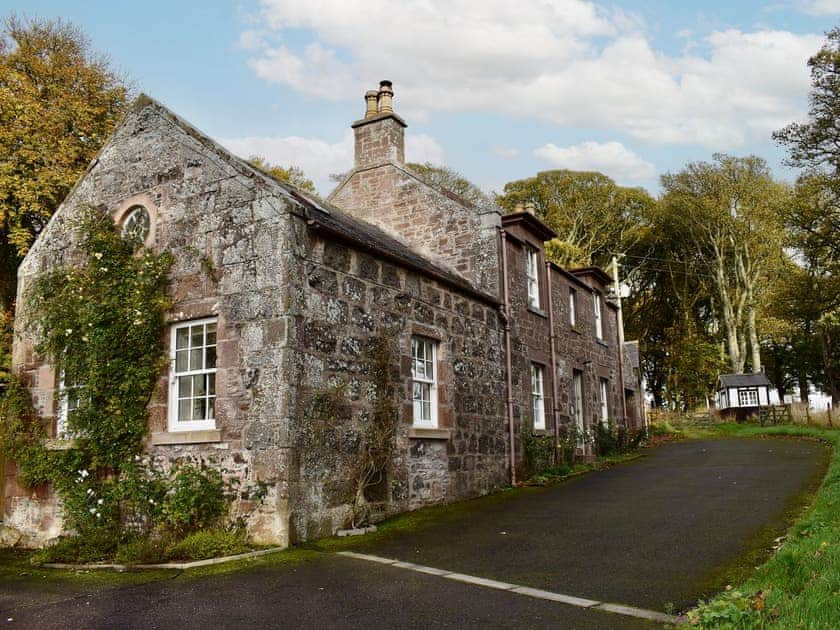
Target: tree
{"points": [[446, 178], [671, 313], [59, 101], [292, 175], [592, 216], [813, 221], [815, 144], [729, 214], [809, 294]]}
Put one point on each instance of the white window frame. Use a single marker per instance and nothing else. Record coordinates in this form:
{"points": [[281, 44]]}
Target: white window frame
{"points": [[599, 326], [533, 276], [577, 400], [421, 381], [572, 307], [603, 388], [64, 407], [747, 398], [174, 424], [538, 396]]}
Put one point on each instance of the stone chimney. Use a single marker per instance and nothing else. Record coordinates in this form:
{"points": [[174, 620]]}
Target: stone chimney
{"points": [[380, 136]]}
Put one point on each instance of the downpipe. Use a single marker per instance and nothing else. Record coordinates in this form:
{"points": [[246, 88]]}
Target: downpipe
{"points": [[505, 312]]}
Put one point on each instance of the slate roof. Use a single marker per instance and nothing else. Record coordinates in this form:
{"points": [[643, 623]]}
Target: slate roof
{"points": [[369, 237], [743, 380]]}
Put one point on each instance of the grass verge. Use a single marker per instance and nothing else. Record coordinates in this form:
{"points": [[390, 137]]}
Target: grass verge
{"points": [[799, 586]]}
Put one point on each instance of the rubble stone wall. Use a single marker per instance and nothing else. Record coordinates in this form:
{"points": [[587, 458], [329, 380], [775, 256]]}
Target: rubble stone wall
{"points": [[227, 232], [348, 300]]}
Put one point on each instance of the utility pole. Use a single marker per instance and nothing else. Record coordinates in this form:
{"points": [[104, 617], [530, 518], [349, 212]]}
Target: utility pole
{"points": [[613, 267], [617, 289]]}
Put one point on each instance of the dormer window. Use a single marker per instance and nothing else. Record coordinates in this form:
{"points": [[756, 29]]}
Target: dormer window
{"points": [[533, 277]]}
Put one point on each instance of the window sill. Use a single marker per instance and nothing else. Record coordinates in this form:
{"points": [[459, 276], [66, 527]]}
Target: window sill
{"points": [[576, 330], [603, 343], [186, 437], [58, 444], [537, 311], [541, 432], [429, 433]]}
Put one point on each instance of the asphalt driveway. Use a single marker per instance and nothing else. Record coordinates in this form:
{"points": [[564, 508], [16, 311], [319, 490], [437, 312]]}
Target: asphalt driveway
{"points": [[657, 533], [667, 529]]}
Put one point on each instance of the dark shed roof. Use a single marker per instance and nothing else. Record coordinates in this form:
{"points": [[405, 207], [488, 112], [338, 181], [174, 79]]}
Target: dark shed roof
{"points": [[743, 380]]}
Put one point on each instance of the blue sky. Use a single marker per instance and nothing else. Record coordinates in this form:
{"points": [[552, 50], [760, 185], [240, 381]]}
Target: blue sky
{"points": [[495, 89]]}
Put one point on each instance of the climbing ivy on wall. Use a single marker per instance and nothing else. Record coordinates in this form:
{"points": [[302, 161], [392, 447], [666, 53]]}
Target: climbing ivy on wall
{"points": [[100, 323], [360, 451]]}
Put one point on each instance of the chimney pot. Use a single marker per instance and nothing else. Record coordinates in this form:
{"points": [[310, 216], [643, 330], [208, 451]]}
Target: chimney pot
{"points": [[386, 95], [371, 97], [530, 208], [519, 207]]}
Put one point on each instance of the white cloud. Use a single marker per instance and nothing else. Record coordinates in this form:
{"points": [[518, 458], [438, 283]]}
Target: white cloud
{"points": [[250, 40], [610, 158], [821, 7], [319, 159], [568, 61], [422, 148]]}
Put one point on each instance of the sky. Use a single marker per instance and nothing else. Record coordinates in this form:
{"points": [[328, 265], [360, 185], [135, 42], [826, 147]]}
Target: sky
{"points": [[496, 89]]}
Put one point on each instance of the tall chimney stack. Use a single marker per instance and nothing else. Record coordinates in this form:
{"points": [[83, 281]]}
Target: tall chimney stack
{"points": [[380, 136]]}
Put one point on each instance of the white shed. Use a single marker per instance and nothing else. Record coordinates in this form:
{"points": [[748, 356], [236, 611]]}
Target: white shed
{"points": [[743, 391]]}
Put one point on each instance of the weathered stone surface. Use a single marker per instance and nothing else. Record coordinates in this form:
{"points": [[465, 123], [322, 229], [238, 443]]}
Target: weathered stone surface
{"points": [[301, 313]]}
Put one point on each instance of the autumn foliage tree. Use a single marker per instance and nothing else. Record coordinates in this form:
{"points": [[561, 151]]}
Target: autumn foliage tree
{"points": [[592, 215], [59, 101], [293, 175], [729, 215]]}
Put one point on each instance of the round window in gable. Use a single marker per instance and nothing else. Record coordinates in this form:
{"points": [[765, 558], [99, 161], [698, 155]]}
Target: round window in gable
{"points": [[137, 225]]}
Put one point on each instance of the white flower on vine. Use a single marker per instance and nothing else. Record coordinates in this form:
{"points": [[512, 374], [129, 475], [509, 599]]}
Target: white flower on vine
{"points": [[83, 473], [100, 502], [98, 515], [68, 331], [98, 255]]}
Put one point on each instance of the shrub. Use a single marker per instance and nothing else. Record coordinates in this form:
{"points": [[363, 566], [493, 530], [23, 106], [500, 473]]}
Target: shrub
{"points": [[209, 543], [195, 500], [616, 439], [77, 549], [662, 428], [732, 609], [141, 551], [538, 452]]}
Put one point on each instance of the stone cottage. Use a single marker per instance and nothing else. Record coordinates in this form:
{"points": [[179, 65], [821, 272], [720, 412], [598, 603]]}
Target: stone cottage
{"points": [[284, 306]]}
